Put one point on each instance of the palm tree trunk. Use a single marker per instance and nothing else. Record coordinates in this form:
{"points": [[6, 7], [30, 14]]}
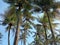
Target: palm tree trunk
{"points": [[25, 37], [9, 36], [51, 28], [24, 42], [17, 31]]}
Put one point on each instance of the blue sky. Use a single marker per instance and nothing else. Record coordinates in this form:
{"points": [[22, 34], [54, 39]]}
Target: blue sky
{"points": [[3, 7]]}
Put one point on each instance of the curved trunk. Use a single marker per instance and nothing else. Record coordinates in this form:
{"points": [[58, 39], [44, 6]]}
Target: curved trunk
{"points": [[51, 28], [9, 36]]}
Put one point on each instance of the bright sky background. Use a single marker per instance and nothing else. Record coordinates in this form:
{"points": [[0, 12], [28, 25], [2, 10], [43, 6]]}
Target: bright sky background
{"points": [[3, 7]]}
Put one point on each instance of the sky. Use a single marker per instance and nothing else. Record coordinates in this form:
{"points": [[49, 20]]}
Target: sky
{"points": [[3, 7]]}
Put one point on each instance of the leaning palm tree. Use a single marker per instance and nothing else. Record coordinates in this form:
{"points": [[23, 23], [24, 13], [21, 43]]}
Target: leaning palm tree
{"points": [[9, 19], [45, 5], [44, 24], [27, 17]]}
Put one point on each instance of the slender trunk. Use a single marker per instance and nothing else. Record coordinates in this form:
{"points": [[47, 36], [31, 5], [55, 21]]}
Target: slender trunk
{"points": [[9, 36], [51, 28], [17, 31], [44, 25], [24, 41], [25, 37]]}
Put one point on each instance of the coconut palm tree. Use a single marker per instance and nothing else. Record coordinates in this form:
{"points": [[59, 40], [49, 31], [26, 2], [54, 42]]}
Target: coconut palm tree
{"points": [[46, 5], [9, 19], [18, 16], [12, 2]]}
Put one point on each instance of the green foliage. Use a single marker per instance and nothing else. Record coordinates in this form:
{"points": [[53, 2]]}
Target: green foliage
{"points": [[46, 2], [11, 16]]}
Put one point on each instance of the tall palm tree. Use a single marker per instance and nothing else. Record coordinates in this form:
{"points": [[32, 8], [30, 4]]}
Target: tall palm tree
{"points": [[10, 20], [24, 3], [46, 5], [9, 27], [12, 2]]}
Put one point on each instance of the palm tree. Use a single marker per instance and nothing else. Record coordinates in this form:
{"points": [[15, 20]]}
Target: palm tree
{"points": [[46, 5], [9, 33], [11, 2], [25, 14], [10, 20]]}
